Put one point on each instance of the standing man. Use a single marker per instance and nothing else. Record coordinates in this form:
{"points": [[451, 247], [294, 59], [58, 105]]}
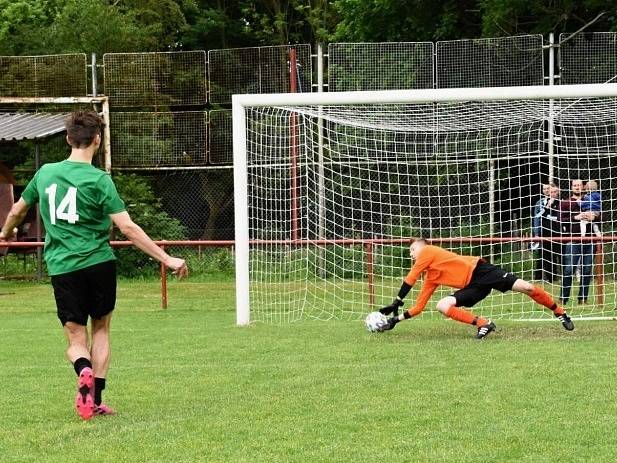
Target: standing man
{"points": [[576, 225], [473, 277], [537, 211], [550, 251], [78, 202]]}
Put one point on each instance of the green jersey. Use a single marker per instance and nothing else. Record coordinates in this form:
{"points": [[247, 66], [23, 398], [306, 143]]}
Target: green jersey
{"points": [[75, 200]]}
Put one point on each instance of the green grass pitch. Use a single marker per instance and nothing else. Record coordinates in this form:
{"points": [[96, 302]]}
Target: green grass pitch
{"points": [[190, 386]]}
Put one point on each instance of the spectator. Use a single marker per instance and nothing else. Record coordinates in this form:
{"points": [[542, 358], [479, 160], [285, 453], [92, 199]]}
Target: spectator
{"points": [[592, 201], [538, 209], [549, 252], [575, 225]]}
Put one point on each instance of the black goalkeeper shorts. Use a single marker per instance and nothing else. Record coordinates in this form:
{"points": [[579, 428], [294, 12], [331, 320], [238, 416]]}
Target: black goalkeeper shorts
{"points": [[484, 278], [89, 292]]}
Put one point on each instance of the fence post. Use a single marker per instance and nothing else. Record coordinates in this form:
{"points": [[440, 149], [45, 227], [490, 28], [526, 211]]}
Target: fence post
{"points": [[94, 76], [370, 272], [163, 283]]}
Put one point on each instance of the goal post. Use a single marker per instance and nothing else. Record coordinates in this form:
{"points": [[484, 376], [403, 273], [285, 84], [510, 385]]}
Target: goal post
{"points": [[461, 166]]}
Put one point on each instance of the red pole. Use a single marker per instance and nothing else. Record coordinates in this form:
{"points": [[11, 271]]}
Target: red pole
{"points": [[599, 274], [293, 88], [370, 273], [163, 284]]}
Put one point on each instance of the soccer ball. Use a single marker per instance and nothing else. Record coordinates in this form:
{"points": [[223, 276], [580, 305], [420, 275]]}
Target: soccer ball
{"points": [[375, 322]]}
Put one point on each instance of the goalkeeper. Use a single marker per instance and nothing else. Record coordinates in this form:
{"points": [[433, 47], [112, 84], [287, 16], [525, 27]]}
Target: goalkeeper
{"points": [[472, 276]]}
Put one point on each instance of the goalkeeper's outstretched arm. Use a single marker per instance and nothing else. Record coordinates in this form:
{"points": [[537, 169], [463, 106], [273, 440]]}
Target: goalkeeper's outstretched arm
{"points": [[398, 301], [427, 291]]}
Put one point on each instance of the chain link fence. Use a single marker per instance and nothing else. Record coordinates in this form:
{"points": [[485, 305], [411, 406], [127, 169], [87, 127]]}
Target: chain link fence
{"points": [[159, 139], [155, 79], [171, 117], [380, 66], [492, 62], [258, 70], [43, 76], [588, 58]]}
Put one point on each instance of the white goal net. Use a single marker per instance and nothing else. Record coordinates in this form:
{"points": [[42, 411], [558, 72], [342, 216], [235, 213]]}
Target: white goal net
{"points": [[329, 193]]}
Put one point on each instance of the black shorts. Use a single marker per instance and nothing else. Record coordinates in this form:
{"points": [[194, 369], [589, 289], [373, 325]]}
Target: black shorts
{"points": [[484, 278], [87, 292]]}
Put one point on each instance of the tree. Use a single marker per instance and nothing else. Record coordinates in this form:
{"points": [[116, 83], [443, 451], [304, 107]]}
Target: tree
{"points": [[21, 24], [511, 17], [405, 20], [217, 189], [91, 26], [215, 24]]}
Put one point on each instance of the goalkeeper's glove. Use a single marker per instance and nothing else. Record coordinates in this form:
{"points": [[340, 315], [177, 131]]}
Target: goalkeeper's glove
{"points": [[387, 310], [391, 323]]}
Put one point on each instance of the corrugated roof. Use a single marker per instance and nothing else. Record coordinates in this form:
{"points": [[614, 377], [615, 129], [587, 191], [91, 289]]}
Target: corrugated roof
{"points": [[30, 126]]}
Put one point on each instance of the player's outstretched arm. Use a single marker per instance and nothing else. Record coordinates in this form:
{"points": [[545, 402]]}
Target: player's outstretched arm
{"points": [[398, 300], [426, 292], [15, 217], [135, 233], [406, 315]]}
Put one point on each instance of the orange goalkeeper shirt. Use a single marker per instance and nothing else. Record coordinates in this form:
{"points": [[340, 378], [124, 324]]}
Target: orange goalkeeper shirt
{"points": [[442, 268]]}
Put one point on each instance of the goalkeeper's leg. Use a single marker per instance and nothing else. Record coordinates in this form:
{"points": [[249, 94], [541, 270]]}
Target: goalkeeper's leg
{"points": [[543, 298], [448, 307]]}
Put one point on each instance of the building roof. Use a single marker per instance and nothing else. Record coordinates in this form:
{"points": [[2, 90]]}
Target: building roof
{"points": [[30, 126]]}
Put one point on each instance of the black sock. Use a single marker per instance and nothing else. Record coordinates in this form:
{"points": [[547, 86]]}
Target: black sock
{"points": [[80, 364], [99, 385]]}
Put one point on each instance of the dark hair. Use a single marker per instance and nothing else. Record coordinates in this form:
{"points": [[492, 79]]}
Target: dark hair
{"points": [[82, 127]]}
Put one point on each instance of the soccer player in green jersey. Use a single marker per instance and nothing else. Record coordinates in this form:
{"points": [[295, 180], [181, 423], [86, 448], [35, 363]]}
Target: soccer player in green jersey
{"points": [[78, 202]]}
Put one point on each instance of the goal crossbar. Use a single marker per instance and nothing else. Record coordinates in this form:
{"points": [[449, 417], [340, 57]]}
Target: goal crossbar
{"points": [[241, 104], [427, 95]]}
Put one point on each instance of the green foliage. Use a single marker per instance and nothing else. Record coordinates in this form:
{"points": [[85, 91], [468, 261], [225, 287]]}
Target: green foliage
{"points": [[94, 26], [22, 23], [218, 263], [100, 26], [512, 17], [87, 26], [403, 20], [145, 209]]}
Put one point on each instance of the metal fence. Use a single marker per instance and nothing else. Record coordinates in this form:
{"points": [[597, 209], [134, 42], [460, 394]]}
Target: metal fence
{"points": [[43, 76], [492, 62], [588, 58], [159, 139], [258, 70], [221, 138], [155, 79], [171, 110], [380, 66]]}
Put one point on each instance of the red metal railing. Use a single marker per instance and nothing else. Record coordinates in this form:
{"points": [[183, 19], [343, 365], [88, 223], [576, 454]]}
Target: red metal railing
{"points": [[369, 250]]}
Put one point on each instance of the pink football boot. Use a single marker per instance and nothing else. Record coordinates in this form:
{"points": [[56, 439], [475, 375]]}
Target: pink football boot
{"points": [[84, 401], [104, 410]]}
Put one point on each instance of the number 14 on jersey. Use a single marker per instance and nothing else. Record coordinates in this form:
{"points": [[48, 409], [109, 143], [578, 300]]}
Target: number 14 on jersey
{"points": [[67, 209]]}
